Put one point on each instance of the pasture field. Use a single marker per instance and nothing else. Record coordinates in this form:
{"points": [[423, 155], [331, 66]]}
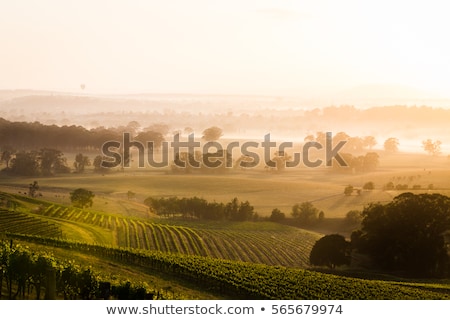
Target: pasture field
{"points": [[265, 191]]}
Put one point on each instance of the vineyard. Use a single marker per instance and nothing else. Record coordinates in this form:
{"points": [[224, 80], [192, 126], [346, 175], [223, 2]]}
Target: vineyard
{"points": [[253, 281], [27, 274], [246, 260], [16, 222], [258, 242]]}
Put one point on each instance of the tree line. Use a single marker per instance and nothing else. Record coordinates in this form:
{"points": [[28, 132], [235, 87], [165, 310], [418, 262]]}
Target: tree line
{"points": [[35, 135], [45, 162], [199, 208], [303, 214]]}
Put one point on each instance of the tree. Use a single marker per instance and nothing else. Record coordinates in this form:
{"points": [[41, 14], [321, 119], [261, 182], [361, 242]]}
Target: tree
{"points": [[130, 195], [353, 217], [82, 198], [212, 133], [52, 161], [348, 190], [321, 216], [156, 138], [80, 162], [33, 188], [7, 155], [98, 164], [277, 215], [331, 251], [370, 161], [25, 164], [305, 213], [369, 186], [357, 164], [389, 186], [246, 211], [432, 147], [132, 127], [407, 234], [391, 145], [236, 210]]}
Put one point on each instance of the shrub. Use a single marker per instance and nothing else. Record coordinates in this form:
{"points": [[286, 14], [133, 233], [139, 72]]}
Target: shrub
{"points": [[348, 190], [369, 186]]}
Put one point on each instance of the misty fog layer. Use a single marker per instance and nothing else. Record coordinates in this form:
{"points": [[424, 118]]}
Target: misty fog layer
{"points": [[240, 117]]}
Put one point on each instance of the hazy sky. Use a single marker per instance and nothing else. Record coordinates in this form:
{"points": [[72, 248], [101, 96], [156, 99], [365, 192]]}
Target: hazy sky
{"points": [[273, 47]]}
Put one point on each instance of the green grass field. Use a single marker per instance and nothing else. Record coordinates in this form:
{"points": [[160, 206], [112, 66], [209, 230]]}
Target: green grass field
{"points": [[265, 191]]}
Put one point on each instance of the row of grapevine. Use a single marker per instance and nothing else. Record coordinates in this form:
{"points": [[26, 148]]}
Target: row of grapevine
{"points": [[274, 247], [16, 222], [254, 281], [288, 249], [49, 278]]}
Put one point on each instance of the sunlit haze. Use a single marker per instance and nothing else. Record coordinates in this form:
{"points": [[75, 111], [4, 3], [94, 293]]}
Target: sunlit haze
{"points": [[242, 150], [286, 48]]}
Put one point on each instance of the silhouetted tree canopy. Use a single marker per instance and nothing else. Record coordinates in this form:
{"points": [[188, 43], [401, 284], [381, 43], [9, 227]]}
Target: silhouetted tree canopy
{"points": [[277, 215], [7, 153], [357, 164], [35, 135], [33, 163], [353, 217], [331, 251], [80, 162], [33, 188], [24, 164], [407, 234], [97, 163], [348, 190], [199, 208], [52, 161], [369, 185], [236, 210]]}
